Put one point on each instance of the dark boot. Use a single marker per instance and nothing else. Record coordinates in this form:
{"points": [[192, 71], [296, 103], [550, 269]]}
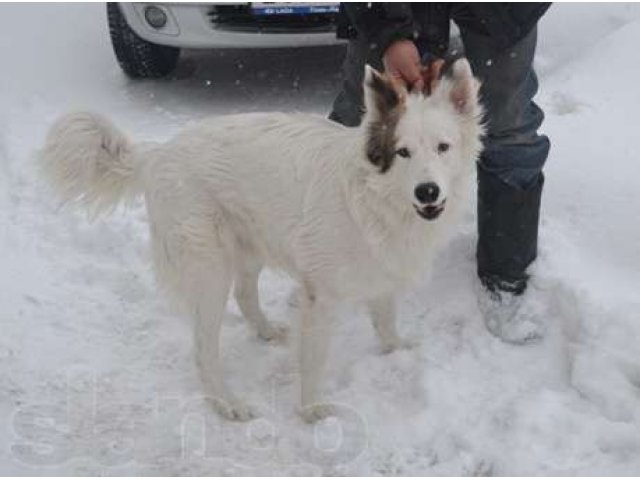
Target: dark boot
{"points": [[507, 244], [507, 230]]}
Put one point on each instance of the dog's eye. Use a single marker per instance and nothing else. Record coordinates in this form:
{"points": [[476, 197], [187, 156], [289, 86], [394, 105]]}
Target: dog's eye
{"points": [[403, 152], [443, 147]]}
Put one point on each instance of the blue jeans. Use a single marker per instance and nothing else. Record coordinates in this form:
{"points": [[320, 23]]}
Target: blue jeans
{"points": [[514, 151]]}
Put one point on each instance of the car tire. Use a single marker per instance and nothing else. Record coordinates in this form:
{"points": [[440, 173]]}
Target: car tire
{"points": [[137, 57]]}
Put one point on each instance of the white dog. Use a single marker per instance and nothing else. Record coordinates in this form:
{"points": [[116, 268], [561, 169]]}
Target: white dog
{"points": [[350, 214]]}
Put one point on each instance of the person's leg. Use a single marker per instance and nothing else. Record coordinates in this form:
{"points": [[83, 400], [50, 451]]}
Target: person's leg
{"points": [[514, 151], [510, 177], [348, 107]]}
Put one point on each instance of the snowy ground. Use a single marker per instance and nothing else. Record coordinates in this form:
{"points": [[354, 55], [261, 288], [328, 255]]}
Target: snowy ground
{"points": [[96, 374]]}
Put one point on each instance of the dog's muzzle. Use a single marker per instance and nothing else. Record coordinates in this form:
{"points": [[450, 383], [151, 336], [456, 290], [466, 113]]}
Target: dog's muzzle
{"points": [[430, 212]]}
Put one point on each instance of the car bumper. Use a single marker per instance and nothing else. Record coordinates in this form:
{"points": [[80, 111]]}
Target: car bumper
{"points": [[190, 26]]}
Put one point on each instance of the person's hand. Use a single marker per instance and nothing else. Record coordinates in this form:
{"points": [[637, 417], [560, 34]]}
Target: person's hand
{"points": [[402, 63]]}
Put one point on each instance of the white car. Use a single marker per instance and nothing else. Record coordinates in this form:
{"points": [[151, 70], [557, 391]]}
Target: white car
{"points": [[147, 37]]}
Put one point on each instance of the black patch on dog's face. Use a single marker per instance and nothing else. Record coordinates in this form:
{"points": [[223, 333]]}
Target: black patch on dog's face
{"points": [[381, 131]]}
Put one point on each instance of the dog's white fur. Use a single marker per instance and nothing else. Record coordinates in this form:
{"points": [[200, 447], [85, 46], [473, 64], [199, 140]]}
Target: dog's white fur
{"points": [[296, 192]]}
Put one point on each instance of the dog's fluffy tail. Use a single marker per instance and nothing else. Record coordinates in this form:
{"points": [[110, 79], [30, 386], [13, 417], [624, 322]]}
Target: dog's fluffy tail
{"points": [[88, 161]]}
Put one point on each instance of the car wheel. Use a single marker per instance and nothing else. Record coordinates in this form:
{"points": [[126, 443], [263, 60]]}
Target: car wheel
{"points": [[137, 57]]}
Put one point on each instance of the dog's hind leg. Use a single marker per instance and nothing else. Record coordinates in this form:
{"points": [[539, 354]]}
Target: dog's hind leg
{"points": [[195, 261], [212, 282], [317, 322], [383, 316], [246, 293]]}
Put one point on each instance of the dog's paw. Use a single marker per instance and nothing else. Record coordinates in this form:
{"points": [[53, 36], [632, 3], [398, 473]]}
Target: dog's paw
{"points": [[398, 344], [273, 333], [317, 412], [234, 410]]}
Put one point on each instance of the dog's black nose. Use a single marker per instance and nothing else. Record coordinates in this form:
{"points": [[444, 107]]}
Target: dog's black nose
{"points": [[427, 192]]}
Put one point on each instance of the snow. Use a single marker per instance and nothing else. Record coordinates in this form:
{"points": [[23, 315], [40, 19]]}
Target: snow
{"points": [[96, 373]]}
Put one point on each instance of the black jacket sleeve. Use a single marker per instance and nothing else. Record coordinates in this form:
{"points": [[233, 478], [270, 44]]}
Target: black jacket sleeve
{"points": [[380, 24]]}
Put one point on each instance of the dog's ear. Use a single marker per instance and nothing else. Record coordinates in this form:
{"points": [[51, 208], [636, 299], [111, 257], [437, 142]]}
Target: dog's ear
{"points": [[381, 96], [384, 103], [464, 88]]}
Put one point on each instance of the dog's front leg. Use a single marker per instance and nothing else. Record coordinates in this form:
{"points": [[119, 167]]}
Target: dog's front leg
{"points": [[317, 321], [383, 316]]}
